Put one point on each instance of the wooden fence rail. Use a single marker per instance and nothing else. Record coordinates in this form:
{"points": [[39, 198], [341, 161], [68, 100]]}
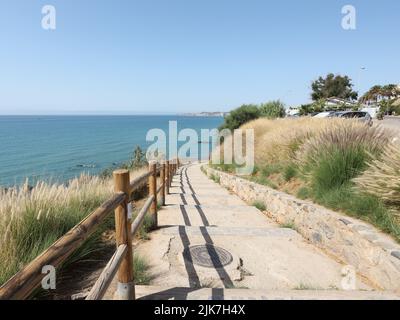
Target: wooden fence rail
{"points": [[22, 284], [104, 281]]}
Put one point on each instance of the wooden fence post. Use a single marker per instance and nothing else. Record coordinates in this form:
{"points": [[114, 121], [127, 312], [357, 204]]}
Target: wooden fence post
{"points": [[162, 179], [167, 179], [125, 287], [153, 191], [171, 172]]}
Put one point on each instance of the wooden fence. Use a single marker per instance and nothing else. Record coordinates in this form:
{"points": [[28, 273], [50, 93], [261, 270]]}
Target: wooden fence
{"points": [[22, 284]]}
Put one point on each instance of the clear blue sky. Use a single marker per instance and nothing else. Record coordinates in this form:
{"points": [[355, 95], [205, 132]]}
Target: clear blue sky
{"points": [[127, 57]]}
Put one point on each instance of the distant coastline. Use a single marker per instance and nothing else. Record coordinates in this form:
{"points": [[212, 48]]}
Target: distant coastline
{"points": [[206, 114]]}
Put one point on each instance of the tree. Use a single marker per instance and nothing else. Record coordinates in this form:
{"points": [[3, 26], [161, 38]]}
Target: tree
{"points": [[138, 158], [390, 91], [240, 116], [333, 86], [383, 96], [273, 109], [306, 109], [372, 94]]}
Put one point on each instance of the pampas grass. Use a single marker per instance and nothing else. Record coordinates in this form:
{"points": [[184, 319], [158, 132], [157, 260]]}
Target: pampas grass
{"points": [[342, 164], [31, 220], [382, 178], [338, 153], [345, 134], [278, 140]]}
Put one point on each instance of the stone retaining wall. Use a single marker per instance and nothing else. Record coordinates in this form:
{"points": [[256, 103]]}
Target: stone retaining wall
{"points": [[374, 255]]}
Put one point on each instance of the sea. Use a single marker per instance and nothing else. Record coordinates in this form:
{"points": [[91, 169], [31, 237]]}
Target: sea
{"points": [[58, 148]]}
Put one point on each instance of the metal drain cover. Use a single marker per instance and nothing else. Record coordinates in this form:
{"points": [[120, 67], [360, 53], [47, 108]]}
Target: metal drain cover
{"points": [[208, 256]]}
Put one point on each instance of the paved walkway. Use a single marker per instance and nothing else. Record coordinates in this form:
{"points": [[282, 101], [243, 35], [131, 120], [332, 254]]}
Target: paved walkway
{"points": [[212, 245]]}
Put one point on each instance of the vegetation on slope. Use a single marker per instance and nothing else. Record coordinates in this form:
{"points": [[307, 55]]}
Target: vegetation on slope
{"points": [[249, 112], [31, 219], [341, 164]]}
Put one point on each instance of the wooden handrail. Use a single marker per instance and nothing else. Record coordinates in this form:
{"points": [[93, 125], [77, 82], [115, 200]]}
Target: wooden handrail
{"points": [[22, 284], [137, 223], [139, 181], [100, 287]]}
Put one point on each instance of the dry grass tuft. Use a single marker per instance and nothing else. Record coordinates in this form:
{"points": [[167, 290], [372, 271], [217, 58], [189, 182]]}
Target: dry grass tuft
{"points": [[325, 158], [31, 220], [345, 134], [382, 178], [278, 140]]}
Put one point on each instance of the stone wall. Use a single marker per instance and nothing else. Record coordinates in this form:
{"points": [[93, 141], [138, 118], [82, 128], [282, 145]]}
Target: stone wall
{"points": [[374, 255]]}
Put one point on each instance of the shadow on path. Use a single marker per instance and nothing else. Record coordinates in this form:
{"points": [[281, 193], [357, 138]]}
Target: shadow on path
{"points": [[217, 293]]}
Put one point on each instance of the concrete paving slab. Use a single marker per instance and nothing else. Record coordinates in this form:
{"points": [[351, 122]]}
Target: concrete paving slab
{"points": [[208, 237], [197, 215]]}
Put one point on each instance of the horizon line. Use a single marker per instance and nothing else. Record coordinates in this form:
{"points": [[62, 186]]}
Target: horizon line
{"points": [[107, 114]]}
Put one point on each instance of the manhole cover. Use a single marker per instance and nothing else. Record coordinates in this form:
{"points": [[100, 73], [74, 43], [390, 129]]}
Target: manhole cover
{"points": [[208, 256]]}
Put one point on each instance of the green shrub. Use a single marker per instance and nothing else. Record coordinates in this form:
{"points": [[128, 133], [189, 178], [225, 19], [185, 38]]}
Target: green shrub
{"points": [[289, 225], [259, 205], [215, 178], [147, 226], [240, 116], [336, 167], [264, 181], [270, 169], [360, 205], [256, 169], [141, 271], [304, 193], [289, 172], [228, 167], [225, 167], [273, 109]]}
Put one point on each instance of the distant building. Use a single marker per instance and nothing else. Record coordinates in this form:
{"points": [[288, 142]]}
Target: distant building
{"points": [[292, 111], [335, 103], [207, 114]]}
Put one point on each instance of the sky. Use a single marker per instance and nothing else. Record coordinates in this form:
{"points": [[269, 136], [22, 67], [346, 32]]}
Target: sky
{"points": [[161, 57]]}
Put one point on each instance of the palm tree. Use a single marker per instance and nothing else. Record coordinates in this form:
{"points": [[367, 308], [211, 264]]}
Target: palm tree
{"points": [[373, 94], [390, 91]]}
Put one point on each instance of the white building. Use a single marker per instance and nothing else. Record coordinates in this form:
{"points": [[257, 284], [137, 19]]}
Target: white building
{"points": [[292, 111], [334, 103]]}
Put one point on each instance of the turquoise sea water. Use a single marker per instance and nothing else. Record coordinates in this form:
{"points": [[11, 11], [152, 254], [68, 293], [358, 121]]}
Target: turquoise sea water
{"points": [[61, 147]]}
